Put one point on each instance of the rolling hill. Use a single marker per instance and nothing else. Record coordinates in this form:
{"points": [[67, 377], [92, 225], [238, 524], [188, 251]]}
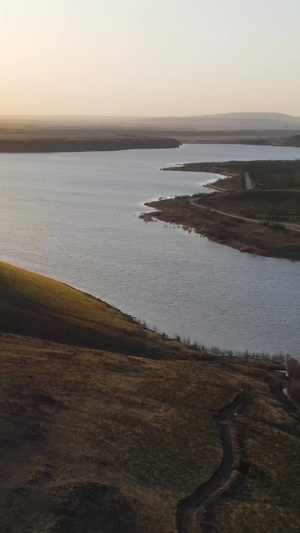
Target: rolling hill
{"points": [[108, 427]]}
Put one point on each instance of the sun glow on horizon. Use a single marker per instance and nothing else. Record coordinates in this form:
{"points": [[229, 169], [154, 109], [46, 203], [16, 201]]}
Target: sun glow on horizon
{"points": [[129, 58]]}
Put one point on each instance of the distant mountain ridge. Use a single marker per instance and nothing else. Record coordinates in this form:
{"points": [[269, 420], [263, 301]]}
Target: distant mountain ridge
{"points": [[218, 122], [228, 121]]}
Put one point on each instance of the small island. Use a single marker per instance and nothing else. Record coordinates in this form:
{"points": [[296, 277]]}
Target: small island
{"points": [[255, 208]]}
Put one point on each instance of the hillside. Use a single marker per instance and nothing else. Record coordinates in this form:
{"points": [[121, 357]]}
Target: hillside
{"points": [[229, 121], [37, 306], [95, 437], [294, 140]]}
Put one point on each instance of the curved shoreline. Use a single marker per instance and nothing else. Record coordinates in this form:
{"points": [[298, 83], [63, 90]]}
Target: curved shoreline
{"points": [[258, 239], [240, 216]]}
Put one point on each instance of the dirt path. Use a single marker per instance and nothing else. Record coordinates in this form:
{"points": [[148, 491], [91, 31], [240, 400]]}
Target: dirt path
{"points": [[287, 225], [248, 181], [196, 502]]}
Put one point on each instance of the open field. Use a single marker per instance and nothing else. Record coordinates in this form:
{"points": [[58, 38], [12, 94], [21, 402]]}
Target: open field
{"points": [[270, 174], [263, 204], [264, 174], [106, 426], [263, 220], [54, 134]]}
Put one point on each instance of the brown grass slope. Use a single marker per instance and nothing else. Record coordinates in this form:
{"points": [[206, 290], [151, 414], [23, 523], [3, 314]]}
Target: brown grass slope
{"points": [[96, 441], [37, 306]]}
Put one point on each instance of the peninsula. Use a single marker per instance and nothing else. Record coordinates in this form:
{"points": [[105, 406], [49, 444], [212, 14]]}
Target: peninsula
{"points": [[77, 144], [255, 209]]}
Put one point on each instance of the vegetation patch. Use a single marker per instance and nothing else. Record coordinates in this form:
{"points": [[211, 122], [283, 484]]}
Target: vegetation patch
{"points": [[265, 174], [263, 219], [96, 440]]}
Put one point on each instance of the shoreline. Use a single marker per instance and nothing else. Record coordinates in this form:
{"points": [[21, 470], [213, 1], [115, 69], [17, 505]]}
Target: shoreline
{"points": [[67, 144], [217, 228], [214, 187], [196, 347], [231, 228]]}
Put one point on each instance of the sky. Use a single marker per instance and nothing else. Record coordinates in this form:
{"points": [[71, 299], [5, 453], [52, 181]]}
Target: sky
{"points": [[149, 57]]}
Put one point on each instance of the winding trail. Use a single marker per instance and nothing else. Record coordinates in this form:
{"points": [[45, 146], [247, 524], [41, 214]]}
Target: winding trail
{"points": [[226, 472], [288, 225], [248, 186], [248, 181]]}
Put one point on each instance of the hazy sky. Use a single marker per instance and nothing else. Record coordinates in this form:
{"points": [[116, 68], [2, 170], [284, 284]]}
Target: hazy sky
{"points": [[149, 57]]}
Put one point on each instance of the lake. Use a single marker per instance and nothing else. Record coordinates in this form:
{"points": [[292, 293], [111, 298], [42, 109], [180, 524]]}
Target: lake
{"points": [[74, 217]]}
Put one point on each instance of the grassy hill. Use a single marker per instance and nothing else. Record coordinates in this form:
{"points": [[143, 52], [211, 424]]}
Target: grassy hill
{"points": [[37, 306], [96, 437]]}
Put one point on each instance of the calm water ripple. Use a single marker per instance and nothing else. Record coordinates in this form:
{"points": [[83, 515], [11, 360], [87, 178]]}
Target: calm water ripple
{"points": [[74, 217]]}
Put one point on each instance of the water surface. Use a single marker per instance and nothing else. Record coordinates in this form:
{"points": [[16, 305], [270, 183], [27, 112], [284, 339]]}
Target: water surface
{"points": [[74, 217]]}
